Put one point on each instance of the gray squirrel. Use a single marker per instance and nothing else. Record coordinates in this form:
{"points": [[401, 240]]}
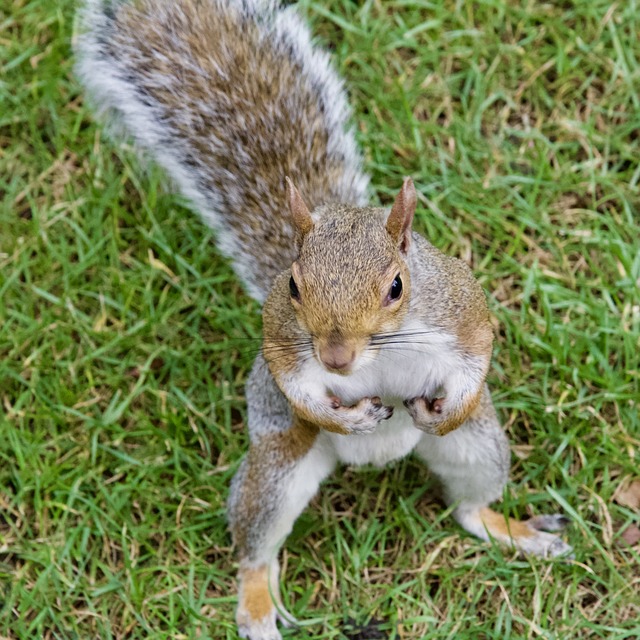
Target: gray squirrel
{"points": [[376, 345]]}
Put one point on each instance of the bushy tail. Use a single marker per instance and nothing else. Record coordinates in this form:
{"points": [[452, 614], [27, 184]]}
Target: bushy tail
{"points": [[229, 97]]}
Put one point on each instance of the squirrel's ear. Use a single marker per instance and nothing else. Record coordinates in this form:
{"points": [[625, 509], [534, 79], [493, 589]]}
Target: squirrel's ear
{"points": [[302, 220], [401, 216]]}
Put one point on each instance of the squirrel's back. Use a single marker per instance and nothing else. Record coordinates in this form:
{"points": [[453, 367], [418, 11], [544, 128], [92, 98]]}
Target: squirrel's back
{"points": [[229, 97]]}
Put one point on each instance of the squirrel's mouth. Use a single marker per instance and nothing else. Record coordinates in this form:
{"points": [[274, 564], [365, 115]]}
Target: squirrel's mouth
{"points": [[342, 371], [342, 367], [337, 356]]}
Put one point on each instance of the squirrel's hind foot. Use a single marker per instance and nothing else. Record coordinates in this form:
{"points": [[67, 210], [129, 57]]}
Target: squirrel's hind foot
{"points": [[263, 629], [266, 627], [530, 537], [257, 615]]}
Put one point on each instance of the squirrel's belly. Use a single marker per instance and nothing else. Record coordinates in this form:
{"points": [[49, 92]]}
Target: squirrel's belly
{"points": [[393, 439]]}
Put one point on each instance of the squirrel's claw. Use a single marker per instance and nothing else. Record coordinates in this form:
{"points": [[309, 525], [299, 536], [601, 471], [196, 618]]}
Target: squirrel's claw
{"points": [[551, 522], [543, 544], [549, 545], [427, 414], [364, 416]]}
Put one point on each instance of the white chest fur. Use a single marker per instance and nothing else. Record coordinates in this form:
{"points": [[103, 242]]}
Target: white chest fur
{"points": [[415, 364]]}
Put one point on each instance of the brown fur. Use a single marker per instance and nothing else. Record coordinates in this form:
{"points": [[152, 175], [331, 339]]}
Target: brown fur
{"points": [[500, 526], [401, 217], [239, 110], [427, 413], [276, 450], [342, 274], [306, 417], [300, 214], [346, 264], [229, 104], [460, 414], [255, 600]]}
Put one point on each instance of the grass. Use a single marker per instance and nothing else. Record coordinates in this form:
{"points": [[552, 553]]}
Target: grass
{"points": [[125, 340]]}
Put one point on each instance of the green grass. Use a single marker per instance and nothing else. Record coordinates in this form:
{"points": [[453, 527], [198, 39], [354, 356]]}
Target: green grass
{"points": [[125, 340]]}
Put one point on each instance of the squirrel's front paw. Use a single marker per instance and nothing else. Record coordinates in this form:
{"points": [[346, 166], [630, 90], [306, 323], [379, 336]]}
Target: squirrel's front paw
{"points": [[364, 416], [428, 415]]}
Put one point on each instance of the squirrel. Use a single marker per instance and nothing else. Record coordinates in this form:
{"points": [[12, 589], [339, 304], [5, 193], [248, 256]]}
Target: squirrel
{"points": [[376, 345]]}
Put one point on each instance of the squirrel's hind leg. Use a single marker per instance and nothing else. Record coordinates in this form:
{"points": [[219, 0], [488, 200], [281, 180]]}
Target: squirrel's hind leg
{"points": [[527, 536], [278, 477], [472, 463], [280, 474]]}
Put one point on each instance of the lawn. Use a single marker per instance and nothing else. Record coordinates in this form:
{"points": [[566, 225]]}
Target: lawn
{"points": [[125, 340]]}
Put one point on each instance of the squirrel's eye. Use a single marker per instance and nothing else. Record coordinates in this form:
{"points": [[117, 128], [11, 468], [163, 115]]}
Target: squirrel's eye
{"points": [[396, 288], [293, 289]]}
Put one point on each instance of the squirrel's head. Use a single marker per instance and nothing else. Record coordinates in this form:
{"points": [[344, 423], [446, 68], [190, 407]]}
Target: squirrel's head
{"points": [[350, 282]]}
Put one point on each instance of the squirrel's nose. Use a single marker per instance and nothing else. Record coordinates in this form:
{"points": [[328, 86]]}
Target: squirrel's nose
{"points": [[337, 357]]}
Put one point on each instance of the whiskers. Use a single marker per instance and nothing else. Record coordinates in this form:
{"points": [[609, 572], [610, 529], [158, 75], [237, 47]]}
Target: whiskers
{"points": [[407, 340], [388, 348], [301, 349], [383, 347], [248, 348]]}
